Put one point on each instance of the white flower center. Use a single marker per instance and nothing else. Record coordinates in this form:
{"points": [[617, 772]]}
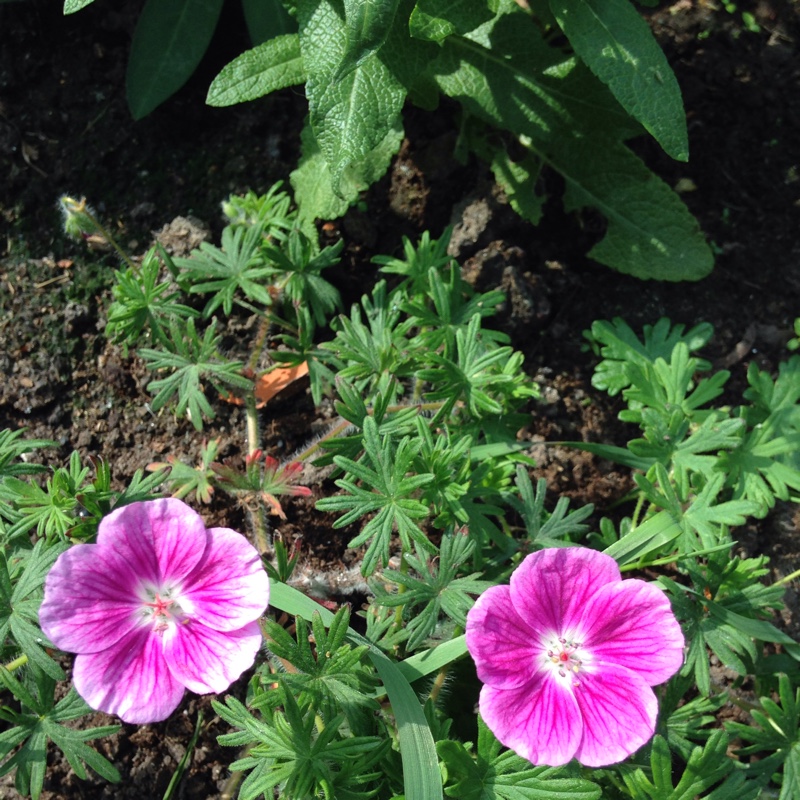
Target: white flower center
{"points": [[160, 607], [563, 657]]}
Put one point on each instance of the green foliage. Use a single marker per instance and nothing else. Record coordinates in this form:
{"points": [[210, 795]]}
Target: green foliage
{"points": [[271, 65], [41, 719], [546, 530], [777, 736], [725, 609], [291, 751], [183, 479], [171, 37], [143, 302], [21, 588], [302, 282], [360, 61], [236, 267], [434, 590], [190, 360], [330, 677], [707, 767], [710, 467], [386, 489], [489, 774]]}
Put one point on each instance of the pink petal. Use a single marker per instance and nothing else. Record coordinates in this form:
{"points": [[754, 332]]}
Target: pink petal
{"points": [[619, 715], [162, 540], [550, 587], [130, 679], [205, 660], [229, 587], [630, 623], [539, 721], [500, 642], [90, 599]]}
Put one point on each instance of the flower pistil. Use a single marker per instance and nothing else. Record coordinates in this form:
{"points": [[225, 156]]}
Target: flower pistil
{"points": [[562, 655]]}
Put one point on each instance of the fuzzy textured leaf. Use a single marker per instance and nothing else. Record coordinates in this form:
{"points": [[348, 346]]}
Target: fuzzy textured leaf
{"points": [[352, 116], [270, 66], [615, 43], [502, 74]]}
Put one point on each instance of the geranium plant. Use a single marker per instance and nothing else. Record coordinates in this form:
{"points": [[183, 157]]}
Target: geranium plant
{"points": [[498, 644]]}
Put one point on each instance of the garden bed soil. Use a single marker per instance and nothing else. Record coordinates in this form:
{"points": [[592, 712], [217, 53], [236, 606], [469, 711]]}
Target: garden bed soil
{"points": [[65, 128]]}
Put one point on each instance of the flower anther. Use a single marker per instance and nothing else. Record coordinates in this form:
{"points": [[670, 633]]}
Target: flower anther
{"points": [[158, 605], [568, 654]]}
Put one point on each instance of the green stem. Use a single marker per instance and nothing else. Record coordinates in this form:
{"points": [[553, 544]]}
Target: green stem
{"points": [[17, 663], [637, 511], [441, 676], [110, 239], [258, 346], [253, 438], [343, 424], [251, 414]]}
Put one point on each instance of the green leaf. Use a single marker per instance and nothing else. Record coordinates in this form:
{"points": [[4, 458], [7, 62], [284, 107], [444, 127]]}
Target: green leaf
{"points": [[367, 24], [618, 46], [270, 66], [420, 764], [651, 234], [504, 73], [71, 6], [194, 360], [235, 267], [352, 116], [435, 20], [386, 488], [170, 39], [494, 775], [652, 536], [312, 182]]}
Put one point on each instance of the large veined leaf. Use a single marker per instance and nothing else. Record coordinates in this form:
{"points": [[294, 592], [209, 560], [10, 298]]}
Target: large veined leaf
{"points": [[351, 116], [170, 39], [71, 6], [435, 20], [367, 24], [311, 181], [617, 45], [270, 66], [504, 73]]}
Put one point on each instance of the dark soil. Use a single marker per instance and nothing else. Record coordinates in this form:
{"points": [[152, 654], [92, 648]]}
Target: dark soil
{"points": [[65, 128]]}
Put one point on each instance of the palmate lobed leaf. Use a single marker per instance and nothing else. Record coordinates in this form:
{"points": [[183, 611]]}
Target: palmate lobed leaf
{"points": [[492, 775]]}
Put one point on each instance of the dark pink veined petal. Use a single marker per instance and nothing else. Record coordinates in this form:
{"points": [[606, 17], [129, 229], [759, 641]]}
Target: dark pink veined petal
{"points": [[502, 645], [539, 721], [619, 714], [550, 587], [162, 540], [205, 660], [90, 599], [130, 679], [630, 623], [229, 587]]}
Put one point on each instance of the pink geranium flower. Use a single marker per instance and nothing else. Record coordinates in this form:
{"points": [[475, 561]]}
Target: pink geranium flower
{"points": [[568, 654], [159, 605]]}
